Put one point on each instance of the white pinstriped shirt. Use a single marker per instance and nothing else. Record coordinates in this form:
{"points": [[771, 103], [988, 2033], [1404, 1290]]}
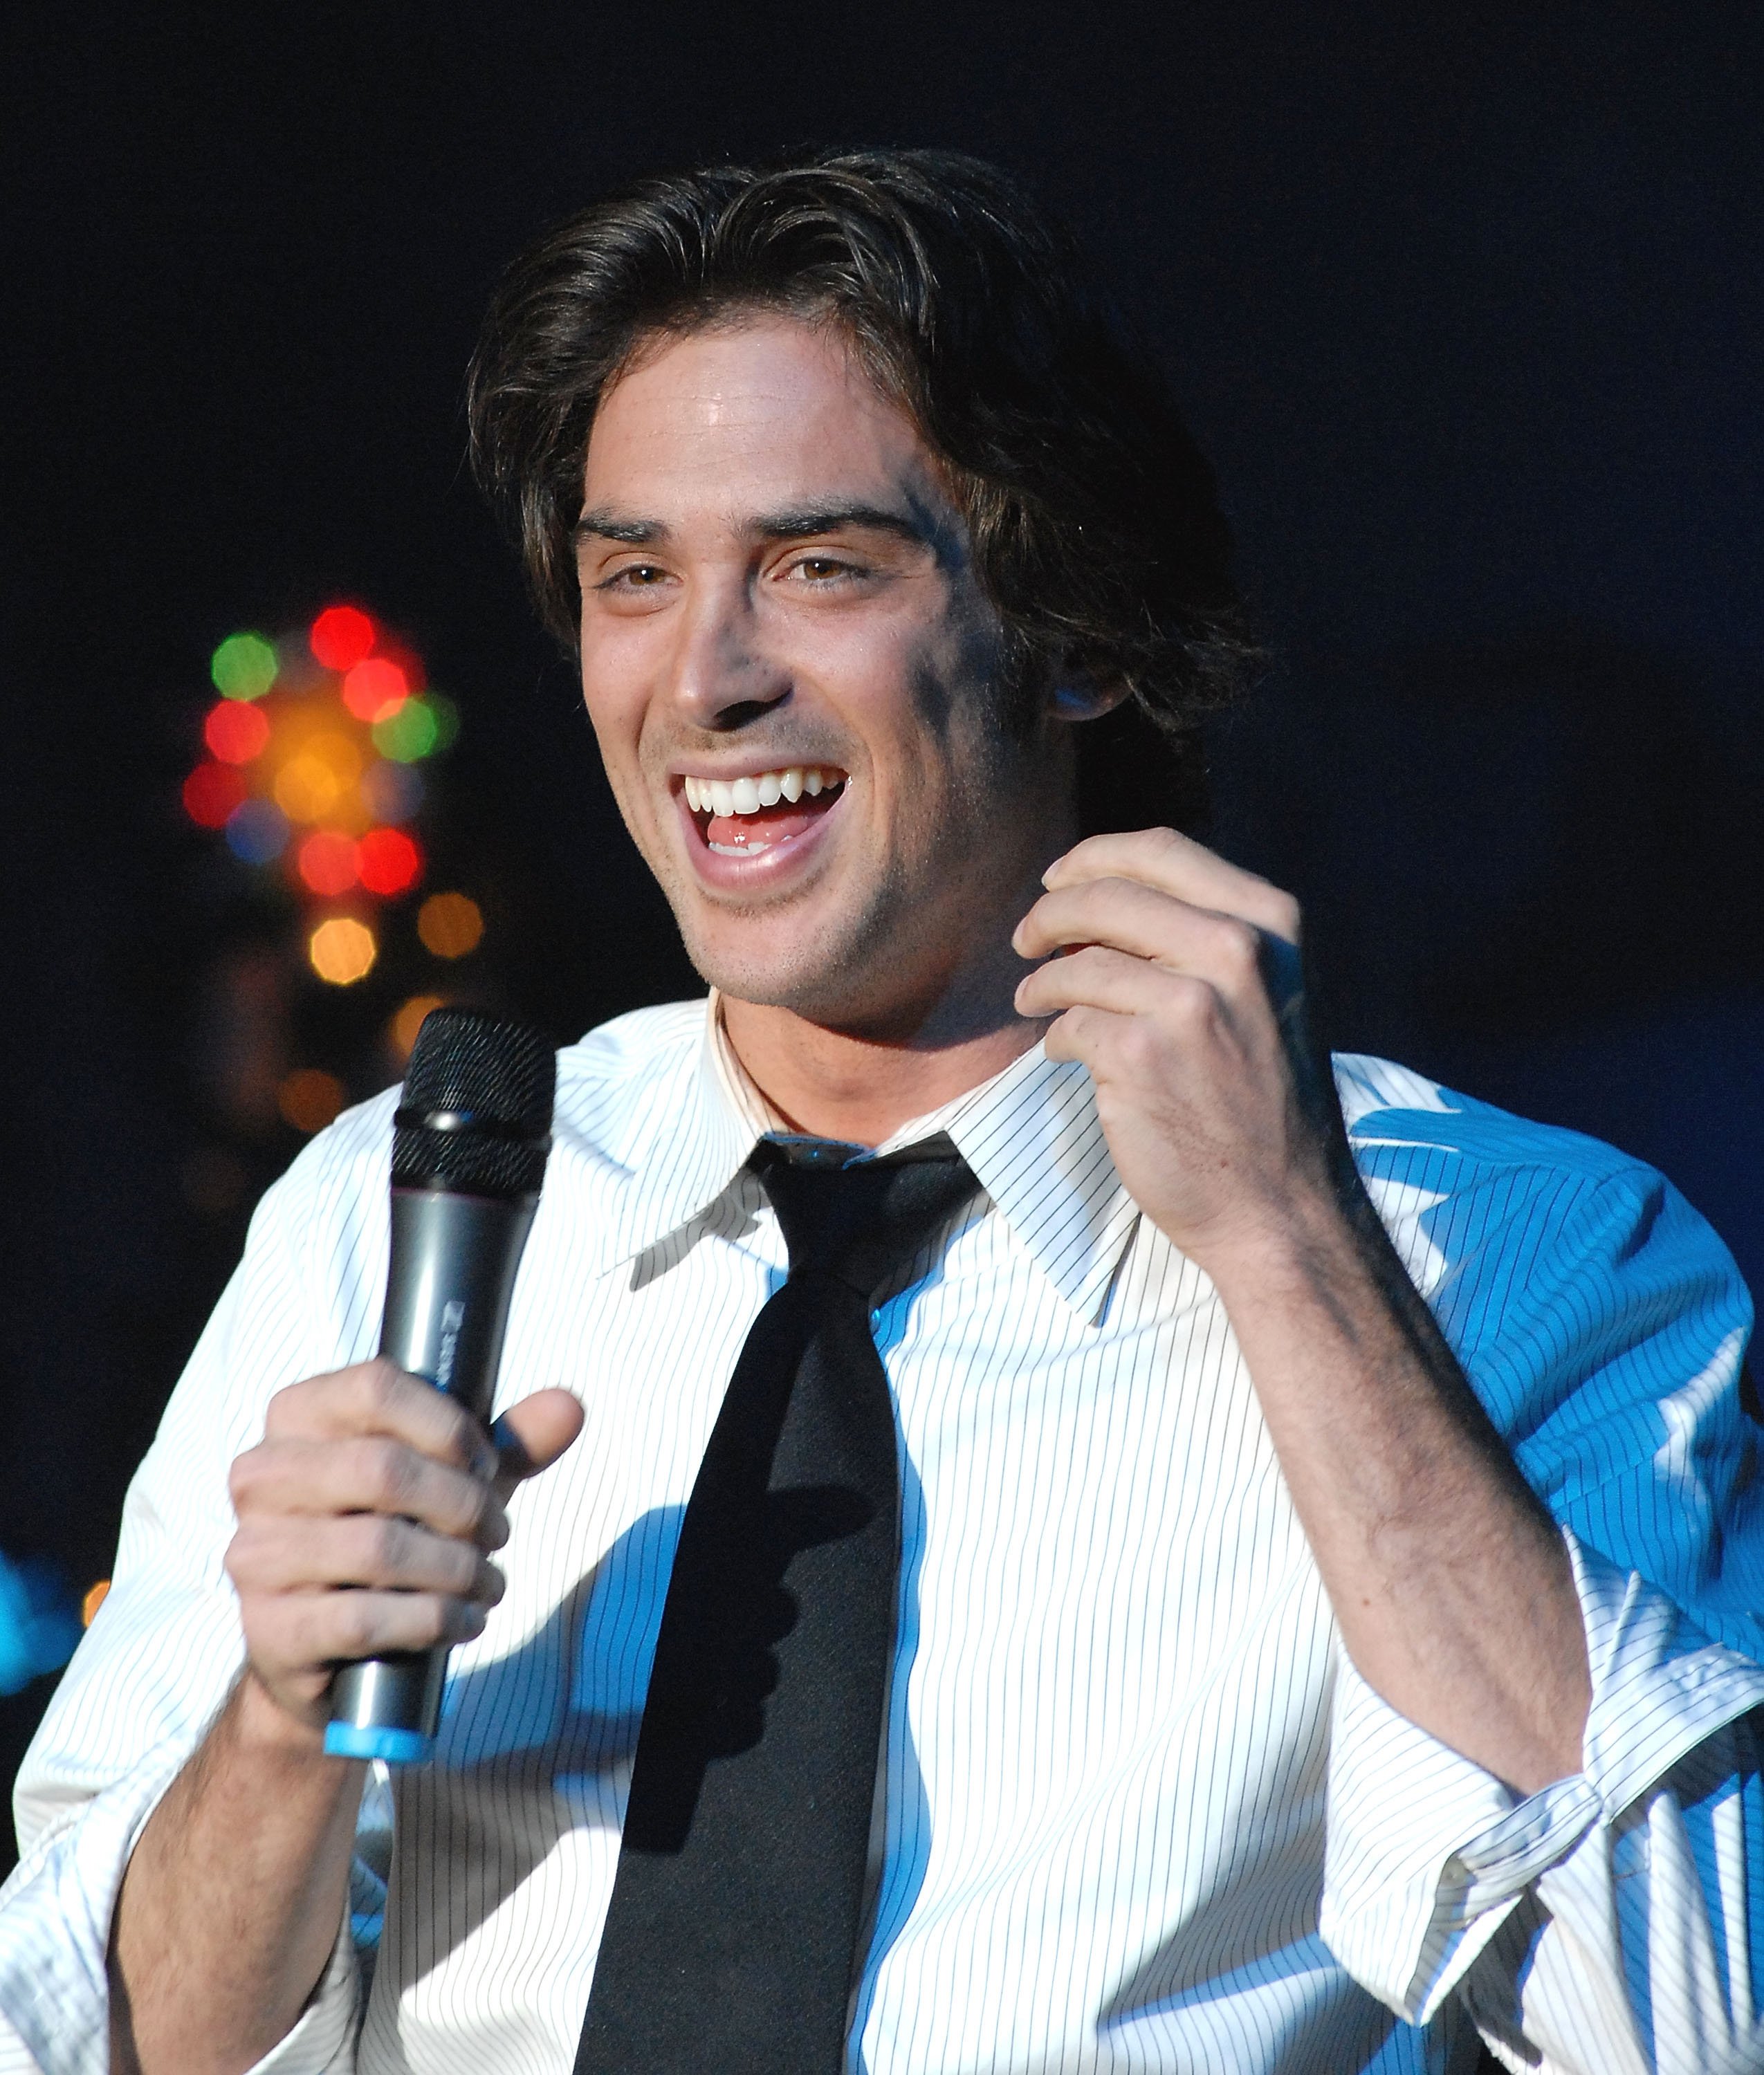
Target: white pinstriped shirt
{"points": [[1139, 1812]]}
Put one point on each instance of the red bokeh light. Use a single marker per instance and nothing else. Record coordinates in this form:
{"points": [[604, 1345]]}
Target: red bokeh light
{"points": [[236, 732], [375, 689], [340, 636], [329, 862], [389, 861], [211, 793]]}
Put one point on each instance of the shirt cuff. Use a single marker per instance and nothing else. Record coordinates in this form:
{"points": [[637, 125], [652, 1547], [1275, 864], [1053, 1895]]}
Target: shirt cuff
{"points": [[54, 1921], [1428, 1854], [55, 1935]]}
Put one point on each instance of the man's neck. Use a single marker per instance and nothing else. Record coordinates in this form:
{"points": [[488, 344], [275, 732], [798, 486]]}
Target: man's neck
{"points": [[842, 1084]]}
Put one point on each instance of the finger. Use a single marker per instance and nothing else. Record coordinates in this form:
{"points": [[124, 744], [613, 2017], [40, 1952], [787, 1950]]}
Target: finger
{"points": [[1133, 917], [1081, 1033], [1177, 864], [1100, 978], [368, 1473], [331, 1628], [530, 1436], [375, 1550], [378, 1397]]}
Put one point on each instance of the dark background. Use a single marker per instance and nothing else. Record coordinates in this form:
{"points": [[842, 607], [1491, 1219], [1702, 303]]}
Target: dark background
{"points": [[1463, 301]]}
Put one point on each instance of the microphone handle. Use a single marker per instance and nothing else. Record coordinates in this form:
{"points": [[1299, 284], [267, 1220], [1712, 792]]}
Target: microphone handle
{"points": [[448, 1289]]}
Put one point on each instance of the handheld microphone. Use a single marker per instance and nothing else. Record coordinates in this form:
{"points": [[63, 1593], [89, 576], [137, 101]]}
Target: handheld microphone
{"points": [[469, 1149]]}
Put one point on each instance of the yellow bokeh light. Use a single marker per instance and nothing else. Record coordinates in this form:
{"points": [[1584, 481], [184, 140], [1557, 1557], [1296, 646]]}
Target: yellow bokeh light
{"points": [[404, 1026], [319, 777], [309, 1098], [93, 1599], [342, 950], [450, 925]]}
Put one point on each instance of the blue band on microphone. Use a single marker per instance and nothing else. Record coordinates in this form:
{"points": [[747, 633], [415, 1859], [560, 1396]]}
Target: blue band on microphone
{"points": [[366, 1740]]}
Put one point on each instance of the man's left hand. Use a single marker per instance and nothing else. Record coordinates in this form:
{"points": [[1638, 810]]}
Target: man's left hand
{"points": [[1182, 989]]}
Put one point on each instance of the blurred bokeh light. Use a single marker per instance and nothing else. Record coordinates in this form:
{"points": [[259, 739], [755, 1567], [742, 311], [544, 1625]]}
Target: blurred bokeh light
{"points": [[309, 1098], [342, 950], [450, 925]]}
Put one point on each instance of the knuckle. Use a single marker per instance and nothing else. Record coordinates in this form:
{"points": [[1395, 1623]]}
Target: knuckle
{"points": [[1288, 918], [1237, 945], [389, 1547], [283, 1413], [240, 1562], [243, 1476], [384, 1468], [1137, 1048], [1191, 1003], [382, 1383]]}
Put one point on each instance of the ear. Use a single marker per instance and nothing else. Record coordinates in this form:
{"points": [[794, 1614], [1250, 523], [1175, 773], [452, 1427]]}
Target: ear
{"points": [[1076, 696]]}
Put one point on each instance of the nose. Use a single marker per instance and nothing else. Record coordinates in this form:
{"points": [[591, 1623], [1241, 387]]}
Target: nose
{"points": [[721, 678]]}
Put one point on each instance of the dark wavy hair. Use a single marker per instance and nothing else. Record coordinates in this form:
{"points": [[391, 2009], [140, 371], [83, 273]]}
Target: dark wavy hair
{"points": [[1093, 516]]}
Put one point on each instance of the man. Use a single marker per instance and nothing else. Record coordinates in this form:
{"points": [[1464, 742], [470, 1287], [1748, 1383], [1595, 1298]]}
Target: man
{"points": [[1281, 1674]]}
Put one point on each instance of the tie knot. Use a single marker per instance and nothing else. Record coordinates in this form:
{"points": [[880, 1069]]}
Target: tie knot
{"points": [[861, 1219]]}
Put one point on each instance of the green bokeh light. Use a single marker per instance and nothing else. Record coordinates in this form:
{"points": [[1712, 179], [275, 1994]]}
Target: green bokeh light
{"points": [[243, 667], [410, 733]]}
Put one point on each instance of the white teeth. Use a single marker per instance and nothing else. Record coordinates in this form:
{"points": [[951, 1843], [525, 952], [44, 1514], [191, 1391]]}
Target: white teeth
{"points": [[764, 788]]}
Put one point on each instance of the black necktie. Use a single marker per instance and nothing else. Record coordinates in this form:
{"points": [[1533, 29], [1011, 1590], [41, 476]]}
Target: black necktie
{"points": [[731, 1938]]}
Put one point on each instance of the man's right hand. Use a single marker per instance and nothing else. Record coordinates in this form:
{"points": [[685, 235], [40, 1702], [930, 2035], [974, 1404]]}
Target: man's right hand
{"points": [[366, 1515]]}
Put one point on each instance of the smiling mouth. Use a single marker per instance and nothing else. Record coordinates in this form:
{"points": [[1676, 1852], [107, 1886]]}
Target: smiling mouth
{"points": [[748, 816]]}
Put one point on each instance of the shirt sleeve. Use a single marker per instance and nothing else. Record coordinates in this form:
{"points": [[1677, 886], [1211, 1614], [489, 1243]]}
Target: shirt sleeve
{"points": [[1615, 1920], [161, 1656]]}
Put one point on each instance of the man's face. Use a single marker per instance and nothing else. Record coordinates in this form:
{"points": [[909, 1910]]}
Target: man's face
{"points": [[792, 671]]}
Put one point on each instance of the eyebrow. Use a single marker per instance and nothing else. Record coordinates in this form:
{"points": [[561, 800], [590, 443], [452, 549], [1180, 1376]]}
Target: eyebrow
{"points": [[601, 523]]}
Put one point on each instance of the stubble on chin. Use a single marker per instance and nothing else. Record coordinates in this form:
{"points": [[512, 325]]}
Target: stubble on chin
{"points": [[772, 954]]}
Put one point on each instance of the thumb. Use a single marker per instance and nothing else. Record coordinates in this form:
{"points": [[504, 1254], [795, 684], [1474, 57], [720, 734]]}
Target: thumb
{"points": [[530, 1436]]}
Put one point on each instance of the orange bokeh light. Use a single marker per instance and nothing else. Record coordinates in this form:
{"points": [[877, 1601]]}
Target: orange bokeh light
{"points": [[329, 862], [389, 861], [404, 1026], [342, 950], [236, 732], [340, 636], [317, 783], [309, 1098], [211, 793], [375, 689], [450, 925]]}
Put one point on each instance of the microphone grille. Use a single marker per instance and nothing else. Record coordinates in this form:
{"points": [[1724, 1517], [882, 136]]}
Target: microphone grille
{"points": [[475, 1113]]}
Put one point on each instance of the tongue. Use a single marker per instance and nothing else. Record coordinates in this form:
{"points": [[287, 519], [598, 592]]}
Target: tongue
{"points": [[769, 826]]}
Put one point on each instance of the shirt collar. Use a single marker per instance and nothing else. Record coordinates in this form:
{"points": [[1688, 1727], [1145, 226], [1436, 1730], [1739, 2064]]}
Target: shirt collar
{"points": [[1031, 1134]]}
